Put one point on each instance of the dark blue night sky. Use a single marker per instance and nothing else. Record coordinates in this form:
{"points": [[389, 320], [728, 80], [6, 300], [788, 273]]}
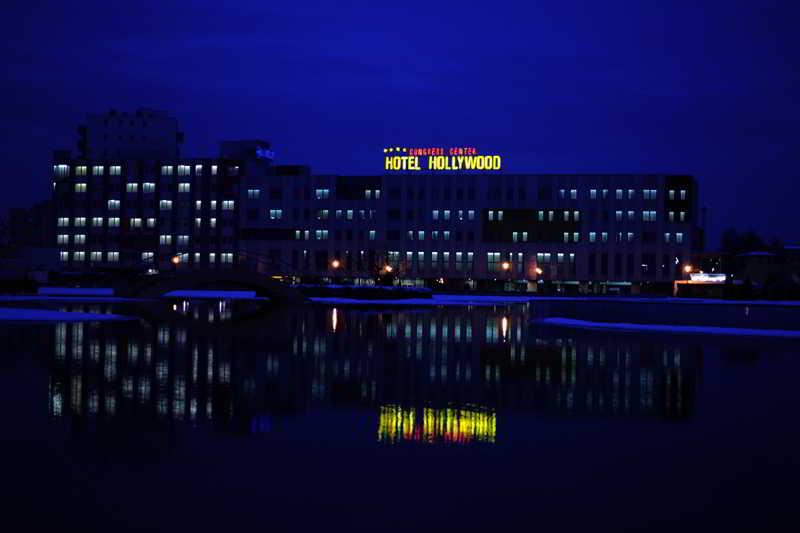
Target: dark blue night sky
{"points": [[708, 88]]}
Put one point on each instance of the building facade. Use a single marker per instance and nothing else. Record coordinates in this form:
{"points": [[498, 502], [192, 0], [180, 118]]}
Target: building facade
{"points": [[241, 210]]}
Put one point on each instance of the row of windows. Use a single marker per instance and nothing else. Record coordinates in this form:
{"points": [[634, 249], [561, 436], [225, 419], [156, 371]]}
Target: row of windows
{"points": [[322, 235], [147, 257], [346, 214], [620, 194], [62, 170]]}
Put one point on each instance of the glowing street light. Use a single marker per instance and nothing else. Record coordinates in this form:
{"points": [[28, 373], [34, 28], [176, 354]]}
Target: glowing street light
{"points": [[505, 265], [388, 269], [176, 259], [336, 263], [687, 268], [539, 271]]}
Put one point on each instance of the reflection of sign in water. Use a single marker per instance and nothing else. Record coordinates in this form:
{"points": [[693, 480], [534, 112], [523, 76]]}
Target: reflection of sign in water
{"points": [[463, 425], [436, 158]]}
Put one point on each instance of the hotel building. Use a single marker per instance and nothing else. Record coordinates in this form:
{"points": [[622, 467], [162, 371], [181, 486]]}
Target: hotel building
{"points": [[240, 210]]}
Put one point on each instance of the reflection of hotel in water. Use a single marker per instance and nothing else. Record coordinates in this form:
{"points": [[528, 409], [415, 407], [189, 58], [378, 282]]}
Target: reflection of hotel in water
{"points": [[452, 369]]}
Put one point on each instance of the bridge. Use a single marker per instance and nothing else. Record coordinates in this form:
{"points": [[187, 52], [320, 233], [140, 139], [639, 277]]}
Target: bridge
{"points": [[157, 285]]}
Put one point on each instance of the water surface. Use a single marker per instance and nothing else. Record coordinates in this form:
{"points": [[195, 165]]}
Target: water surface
{"points": [[219, 415]]}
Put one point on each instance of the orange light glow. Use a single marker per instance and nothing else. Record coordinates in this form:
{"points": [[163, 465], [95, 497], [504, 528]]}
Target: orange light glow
{"points": [[176, 259], [539, 271], [505, 265], [388, 269], [687, 268], [336, 263]]}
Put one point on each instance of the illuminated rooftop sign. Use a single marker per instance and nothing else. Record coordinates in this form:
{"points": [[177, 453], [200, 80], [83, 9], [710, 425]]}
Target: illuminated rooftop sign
{"points": [[437, 159]]}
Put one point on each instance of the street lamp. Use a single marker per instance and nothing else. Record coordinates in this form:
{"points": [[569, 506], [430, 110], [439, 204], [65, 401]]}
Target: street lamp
{"points": [[687, 269], [505, 265], [388, 269], [539, 271], [176, 259], [336, 263]]}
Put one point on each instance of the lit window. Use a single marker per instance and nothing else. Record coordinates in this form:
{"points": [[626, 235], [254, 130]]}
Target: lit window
{"points": [[63, 256], [447, 215], [113, 222], [80, 187], [95, 256], [80, 238], [78, 256], [149, 187], [148, 257], [113, 205], [682, 216], [184, 187], [80, 221], [183, 240], [97, 221], [136, 222], [592, 236], [151, 222], [576, 237], [97, 170], [679, 238], [228, 205], [63, 222], [349, 214], [212, 222], [604, 236], [62, 239], [631, 194], [131, 187], [372, 234], [322, 194], [165, 205], [593, 194], [184, 170], [630, 236], [618, 216], [198, 170], [683, 194], [62, 171], [277, 214], [165, 239], [618, 194], [666, 237], [573, 194], [80, 170], [115, 170], [166, 170], [253, 194], [470, 214], [213, 170], [435, 214], [212, 257]]}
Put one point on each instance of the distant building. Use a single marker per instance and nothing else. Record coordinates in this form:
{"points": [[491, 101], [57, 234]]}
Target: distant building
{"points": [[525, 231], [143, 134]]}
